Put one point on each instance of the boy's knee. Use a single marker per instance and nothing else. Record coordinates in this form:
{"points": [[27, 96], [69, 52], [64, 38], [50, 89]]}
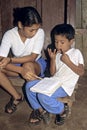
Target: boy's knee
{"points": [[30, 84], [42, 98]]}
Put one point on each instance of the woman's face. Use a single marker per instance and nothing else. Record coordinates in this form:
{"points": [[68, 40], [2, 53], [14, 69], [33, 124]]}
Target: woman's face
{"points": [[29, 32]]}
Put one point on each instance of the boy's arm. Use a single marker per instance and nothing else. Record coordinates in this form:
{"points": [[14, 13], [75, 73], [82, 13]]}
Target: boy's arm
{"points": [[52, 56], [77, 69], [52, 67]]}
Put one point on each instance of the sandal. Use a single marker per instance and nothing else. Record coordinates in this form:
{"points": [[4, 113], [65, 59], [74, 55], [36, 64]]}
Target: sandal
{"points": [[46, 117], [60, 119], [12, 106], [35, 116]]}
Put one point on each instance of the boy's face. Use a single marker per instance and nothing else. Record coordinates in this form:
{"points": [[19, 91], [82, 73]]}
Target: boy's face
{"points": [[62, 43]]}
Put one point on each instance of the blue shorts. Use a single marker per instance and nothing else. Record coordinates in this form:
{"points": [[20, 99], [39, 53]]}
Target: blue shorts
{"points": [[43, 65]]}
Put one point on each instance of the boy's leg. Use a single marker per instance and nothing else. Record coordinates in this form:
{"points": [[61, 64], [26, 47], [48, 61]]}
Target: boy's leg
{"points": [[35, 116], [38, 113], [32, 96], [51, 104]]}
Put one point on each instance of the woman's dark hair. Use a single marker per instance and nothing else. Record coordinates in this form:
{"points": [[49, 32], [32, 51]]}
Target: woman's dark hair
{"points": [[63, 29], [27, 16]]}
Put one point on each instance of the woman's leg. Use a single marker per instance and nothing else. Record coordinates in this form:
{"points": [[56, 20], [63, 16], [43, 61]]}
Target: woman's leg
{"points": [[6, 84], [13, 70], [16, 97], [37, 67]]}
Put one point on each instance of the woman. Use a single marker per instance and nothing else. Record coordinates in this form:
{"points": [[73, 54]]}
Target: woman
{"points": [[26, 41]]}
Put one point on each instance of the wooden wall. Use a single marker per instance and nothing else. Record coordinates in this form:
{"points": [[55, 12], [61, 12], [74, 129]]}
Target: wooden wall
{"points": [[81, 27]]}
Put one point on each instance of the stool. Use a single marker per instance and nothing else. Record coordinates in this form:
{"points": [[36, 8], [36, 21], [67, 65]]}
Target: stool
{"points": [[69, 99]]}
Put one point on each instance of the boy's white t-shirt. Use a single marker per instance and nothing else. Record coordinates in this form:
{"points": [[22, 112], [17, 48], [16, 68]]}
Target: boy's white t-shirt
{"points": [[65, 75], [11, 40]]}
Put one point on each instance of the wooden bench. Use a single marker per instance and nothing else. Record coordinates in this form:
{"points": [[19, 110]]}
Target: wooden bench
{"points": [[17, 81]]}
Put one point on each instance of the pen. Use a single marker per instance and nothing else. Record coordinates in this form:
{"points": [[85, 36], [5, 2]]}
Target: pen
{"points": [[37, 77], [34, 75]]}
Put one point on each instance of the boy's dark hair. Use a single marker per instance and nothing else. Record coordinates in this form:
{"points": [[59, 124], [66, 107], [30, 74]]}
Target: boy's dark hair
{"points": [[27, 16], [63, 29]]}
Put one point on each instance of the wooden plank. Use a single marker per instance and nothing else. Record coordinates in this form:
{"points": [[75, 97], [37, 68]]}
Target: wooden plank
{"points": [[71, 12], [81, 28], [52, 14], [81, 31], [5, 15], [39, 6], [0, 23], [78, 14], [84, 14], [85, 49]]}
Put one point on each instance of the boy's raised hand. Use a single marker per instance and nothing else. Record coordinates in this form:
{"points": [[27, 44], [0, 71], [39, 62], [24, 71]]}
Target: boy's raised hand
{"points": [[52, 55]]}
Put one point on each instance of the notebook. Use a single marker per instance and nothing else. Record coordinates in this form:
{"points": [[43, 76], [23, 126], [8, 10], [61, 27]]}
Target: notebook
{"points": [[46, 86]]}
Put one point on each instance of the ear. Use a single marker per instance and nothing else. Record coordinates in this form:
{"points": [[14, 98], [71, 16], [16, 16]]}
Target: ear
{"points": [[72, 41], [20, 25]]}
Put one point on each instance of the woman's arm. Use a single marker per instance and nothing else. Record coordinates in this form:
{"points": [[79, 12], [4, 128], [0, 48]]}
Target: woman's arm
{"points": [[5, 60], [24, 72], [24, 59]]}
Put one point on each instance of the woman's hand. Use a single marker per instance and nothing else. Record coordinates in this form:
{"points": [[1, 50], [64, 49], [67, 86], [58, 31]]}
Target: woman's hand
{"points": [[28, 75], [4, 61]]}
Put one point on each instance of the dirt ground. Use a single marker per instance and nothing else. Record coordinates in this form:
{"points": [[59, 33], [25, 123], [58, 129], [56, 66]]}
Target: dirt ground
{"points": [[19, 120]]}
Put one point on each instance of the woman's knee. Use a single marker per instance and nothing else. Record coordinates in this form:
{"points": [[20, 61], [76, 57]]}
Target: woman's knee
{"points": [[32, 67], [28, 65]]}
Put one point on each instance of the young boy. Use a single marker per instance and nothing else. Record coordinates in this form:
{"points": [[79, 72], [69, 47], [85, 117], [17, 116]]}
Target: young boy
{"points": [[66, 64]]}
